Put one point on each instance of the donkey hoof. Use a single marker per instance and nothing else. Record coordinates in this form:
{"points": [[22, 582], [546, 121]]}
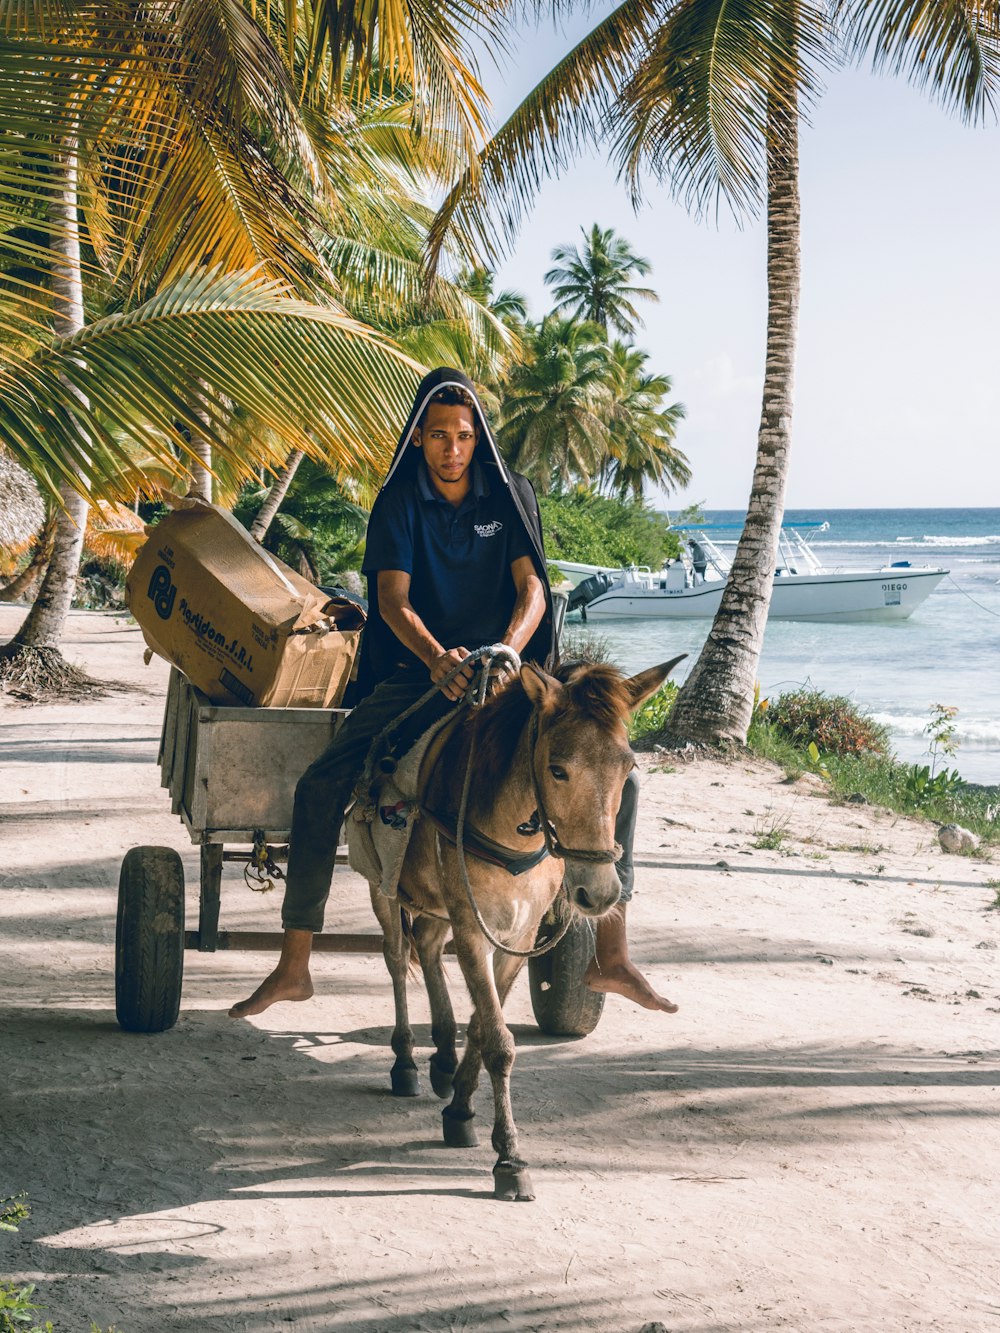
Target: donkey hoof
{"points": [[405, 1082], [442, 1080], [512, 1182], [459, 1130]]}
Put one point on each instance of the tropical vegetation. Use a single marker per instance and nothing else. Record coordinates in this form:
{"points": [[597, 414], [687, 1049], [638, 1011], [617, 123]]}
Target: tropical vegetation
{"points": [[210, 253], [594, 282], [582, 416], [808, 731], [707, 95], [582, 526]]}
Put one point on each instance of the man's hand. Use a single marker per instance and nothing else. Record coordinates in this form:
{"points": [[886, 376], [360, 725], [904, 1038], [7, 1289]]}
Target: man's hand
{"points": [[445, 662]]}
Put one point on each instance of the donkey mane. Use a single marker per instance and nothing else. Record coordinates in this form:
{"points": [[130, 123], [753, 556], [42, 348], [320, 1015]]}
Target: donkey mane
{"points": [[597, 691]]}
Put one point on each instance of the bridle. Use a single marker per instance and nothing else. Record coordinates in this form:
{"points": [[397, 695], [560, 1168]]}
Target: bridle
{"points": [[475, 697], [555, 847], [552, 844]]}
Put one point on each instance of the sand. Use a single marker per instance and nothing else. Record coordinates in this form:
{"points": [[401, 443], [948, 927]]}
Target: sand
{"points": [[811, 1143]]}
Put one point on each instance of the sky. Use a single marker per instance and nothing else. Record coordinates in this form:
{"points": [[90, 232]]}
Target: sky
{"points": [[897, 396]]}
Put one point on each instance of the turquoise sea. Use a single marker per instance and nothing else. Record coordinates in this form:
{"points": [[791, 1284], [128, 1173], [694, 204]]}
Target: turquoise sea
{"points": [[948, 652]]}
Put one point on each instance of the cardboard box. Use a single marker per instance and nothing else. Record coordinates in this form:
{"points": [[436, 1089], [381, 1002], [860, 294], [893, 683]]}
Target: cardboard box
{"points": [[241, 625]]}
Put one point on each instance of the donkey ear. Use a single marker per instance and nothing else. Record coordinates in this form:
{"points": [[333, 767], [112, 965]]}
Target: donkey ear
{"points": [[647, 682], [539, 686]]}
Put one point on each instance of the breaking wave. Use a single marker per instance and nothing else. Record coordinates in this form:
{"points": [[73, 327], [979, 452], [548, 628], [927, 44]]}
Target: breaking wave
{"points": [[928, 540], [973, 732]]}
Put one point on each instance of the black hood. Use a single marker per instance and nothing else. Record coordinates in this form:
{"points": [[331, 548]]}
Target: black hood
{"points": [[403, 472], [405, 459]]}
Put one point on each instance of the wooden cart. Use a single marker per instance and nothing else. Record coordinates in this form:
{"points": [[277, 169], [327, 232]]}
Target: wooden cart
{"points": [[231, 777]]}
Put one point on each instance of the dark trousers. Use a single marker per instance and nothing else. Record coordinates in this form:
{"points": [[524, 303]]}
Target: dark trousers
{"points": [[325, 789]]}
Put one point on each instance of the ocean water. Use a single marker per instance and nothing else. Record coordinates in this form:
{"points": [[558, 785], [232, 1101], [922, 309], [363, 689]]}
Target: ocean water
{"points": [[948, 652]]}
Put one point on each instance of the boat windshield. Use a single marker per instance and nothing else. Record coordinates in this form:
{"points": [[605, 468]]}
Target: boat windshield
{"points": [[709, 555]]}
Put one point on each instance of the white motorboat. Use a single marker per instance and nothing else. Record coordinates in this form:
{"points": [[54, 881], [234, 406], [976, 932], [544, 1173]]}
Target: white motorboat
{"points": [[691, 587]]}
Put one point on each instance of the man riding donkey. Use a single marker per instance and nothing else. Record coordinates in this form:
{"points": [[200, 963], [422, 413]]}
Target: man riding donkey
{"points": [[454, 556]]}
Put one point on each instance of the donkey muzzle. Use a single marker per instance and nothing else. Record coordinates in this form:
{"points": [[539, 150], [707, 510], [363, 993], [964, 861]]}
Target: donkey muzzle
{"points": [[593, 889]]}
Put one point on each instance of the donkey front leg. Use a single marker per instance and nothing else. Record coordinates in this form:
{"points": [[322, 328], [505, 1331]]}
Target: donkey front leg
{"points": [[511, 1180], [430, 934], [396, 951], [490, 1042]]}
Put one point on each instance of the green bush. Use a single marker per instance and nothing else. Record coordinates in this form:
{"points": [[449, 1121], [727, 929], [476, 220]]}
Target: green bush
{"points": [[829, 721], [922, 787], [16, 1307], [651, 717], [595, 530]]}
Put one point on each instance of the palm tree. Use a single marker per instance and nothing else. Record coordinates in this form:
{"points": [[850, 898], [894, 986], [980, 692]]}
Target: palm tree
{"points": [[555, 406], [641, 448], [147, 149], [708, 95], [595, 282]]}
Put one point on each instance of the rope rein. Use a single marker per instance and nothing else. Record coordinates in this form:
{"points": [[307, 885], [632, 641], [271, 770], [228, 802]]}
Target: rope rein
{"points": [[553, 845], [475, 697], [466, 884]]}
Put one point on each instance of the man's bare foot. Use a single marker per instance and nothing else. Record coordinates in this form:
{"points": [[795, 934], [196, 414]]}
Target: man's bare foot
{"points": [[626, 979], [612, 971], [290, 980], [280, 985]]}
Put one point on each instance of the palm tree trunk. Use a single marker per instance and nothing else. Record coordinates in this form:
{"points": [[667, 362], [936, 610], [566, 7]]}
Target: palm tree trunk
{"points": [[46, 620], [267, 511], [715, 703], [22, 583], [200, 467]]}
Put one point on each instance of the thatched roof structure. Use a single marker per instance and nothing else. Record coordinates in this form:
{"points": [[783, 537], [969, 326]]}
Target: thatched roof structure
{"points": [[21, 510]]}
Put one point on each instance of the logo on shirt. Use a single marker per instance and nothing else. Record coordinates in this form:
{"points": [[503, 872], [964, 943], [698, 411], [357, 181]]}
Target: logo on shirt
{"points": [[488, 529]]}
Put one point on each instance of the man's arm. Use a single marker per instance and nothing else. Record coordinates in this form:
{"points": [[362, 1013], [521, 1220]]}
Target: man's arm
{"points": [[530, 605], [398, 613]]}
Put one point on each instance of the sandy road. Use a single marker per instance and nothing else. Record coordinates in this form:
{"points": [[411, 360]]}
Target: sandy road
{"points": [[812, 1143]]}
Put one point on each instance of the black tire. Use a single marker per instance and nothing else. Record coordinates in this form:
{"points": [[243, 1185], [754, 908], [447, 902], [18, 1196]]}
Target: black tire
{"points": [[564, 1005], [149, 941]]}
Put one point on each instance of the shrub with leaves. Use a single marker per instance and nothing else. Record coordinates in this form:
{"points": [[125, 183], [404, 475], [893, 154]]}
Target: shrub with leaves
{"points": [[829, 721], [13, 1209], [596, 530], [16, 1310], [922, 786], [651, 717]]}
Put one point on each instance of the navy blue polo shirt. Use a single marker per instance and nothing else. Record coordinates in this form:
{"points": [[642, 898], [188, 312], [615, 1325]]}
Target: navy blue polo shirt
{"points": [[458, 557]]}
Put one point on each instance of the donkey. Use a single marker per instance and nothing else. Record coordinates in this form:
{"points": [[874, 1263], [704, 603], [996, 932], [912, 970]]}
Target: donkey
{"points": [[536, 773]]}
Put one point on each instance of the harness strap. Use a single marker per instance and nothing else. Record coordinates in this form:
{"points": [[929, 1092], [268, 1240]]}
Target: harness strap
{"points": [[598, 856], [477, 844]]}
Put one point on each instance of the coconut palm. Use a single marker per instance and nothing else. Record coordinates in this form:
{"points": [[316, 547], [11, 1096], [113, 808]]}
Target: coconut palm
{"points": [[641, 447], [708, 95], [594, 282], [554, 408], [140, 151]]}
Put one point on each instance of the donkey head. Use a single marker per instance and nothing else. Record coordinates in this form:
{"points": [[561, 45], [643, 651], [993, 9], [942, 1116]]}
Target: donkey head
{"points": [[582, 758]]}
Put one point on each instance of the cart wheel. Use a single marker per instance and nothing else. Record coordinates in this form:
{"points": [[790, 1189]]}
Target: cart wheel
{"points": [[564, 1006], [149, 942]]}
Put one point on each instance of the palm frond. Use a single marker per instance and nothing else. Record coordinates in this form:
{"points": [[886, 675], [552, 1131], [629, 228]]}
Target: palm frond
{"points": [[312, 378], [695, 111], [949, 47], [419, 43], [568, 109]]}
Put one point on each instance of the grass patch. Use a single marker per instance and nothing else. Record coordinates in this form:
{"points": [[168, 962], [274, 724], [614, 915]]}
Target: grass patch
{"points": [[17, 1304], [770, 832], [855, 761]]}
